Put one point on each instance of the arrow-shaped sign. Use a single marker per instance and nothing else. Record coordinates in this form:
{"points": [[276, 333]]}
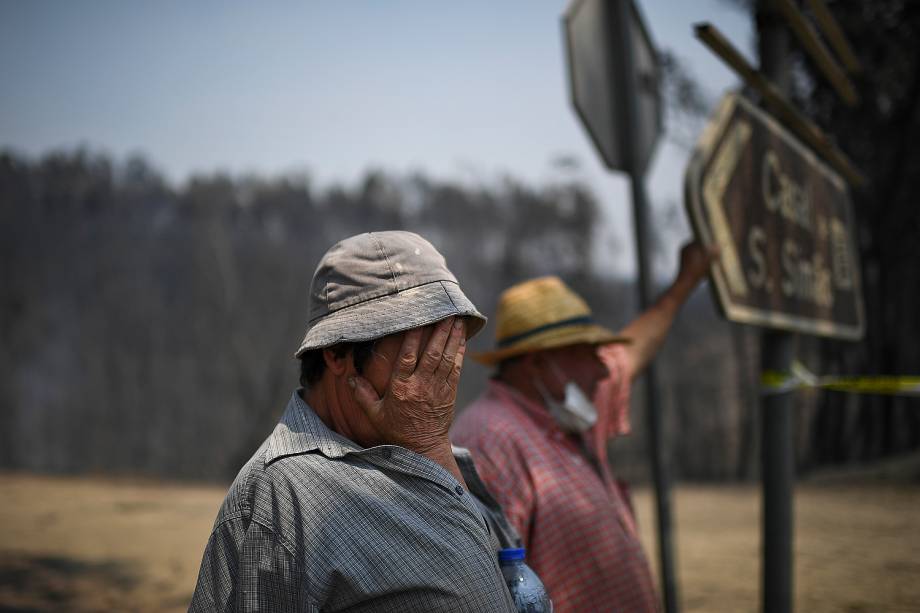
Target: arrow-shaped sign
{"points": [[783, 222]]}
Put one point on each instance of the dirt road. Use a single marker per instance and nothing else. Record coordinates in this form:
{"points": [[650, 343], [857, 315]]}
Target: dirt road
{"points": [[80, 545]]}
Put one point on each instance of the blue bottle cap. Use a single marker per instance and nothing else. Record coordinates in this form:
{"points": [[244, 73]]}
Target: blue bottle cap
{"points": [[511, 553]]}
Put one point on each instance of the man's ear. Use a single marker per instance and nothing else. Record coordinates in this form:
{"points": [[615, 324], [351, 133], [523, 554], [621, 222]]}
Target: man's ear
{"points": [[337, 364]]}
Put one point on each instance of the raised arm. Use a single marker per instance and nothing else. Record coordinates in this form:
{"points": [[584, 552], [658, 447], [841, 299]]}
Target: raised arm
{"points": [[649, 330]]}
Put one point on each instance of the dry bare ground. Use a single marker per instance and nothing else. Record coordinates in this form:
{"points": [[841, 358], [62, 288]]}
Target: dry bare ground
{"points": [[79, 544]]}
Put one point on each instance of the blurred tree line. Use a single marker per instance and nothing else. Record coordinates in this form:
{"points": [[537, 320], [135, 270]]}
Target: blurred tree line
{"points": [[146, 328], [149, 329]]}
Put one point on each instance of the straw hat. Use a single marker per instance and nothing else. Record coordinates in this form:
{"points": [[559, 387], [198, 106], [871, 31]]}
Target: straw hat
{"points": [[379, 283], [540, 314]]}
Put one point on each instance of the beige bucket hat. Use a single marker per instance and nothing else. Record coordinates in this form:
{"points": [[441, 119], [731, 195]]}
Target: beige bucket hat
{"points": [[542, 313], [379, 283]]}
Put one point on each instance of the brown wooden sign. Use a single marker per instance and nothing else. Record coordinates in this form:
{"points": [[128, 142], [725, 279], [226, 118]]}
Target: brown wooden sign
{"points": [[783, 221]]}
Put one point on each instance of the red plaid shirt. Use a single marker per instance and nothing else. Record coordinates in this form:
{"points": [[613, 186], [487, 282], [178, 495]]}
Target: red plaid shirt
{"points": [[576, 523]]}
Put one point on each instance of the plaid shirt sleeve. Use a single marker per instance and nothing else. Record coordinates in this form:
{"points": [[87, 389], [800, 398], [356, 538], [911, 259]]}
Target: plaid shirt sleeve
{"points": [[612, 395], [247, 568]]}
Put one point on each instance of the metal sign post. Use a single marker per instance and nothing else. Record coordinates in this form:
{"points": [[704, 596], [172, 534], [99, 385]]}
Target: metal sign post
{"points": [[614, 78], [783, 220], [784, 223], [637, 160], [777, 434]]}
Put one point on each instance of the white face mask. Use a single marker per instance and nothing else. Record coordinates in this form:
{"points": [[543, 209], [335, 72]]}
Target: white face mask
{"points": [[576, 413]]}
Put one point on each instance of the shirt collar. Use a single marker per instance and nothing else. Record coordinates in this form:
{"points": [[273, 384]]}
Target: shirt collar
{"points": [[302, 431]]}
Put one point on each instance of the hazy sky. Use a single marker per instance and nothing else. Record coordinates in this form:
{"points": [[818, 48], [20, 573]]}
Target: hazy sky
{"points": [[466, 90]]}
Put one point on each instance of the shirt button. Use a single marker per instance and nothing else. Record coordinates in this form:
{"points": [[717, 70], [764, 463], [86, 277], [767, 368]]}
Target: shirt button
{"points": [[387, 454], [459, 490]]}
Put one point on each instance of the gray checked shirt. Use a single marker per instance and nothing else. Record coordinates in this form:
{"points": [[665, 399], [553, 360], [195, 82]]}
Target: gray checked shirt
{"points": [[314, 522]]}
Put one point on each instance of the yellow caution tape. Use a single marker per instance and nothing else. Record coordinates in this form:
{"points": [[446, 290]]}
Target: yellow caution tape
{"points": [[772, 382]]}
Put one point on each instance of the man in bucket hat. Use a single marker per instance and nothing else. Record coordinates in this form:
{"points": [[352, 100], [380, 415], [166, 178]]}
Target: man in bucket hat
{"points": [[356, 501], [540, 443]]}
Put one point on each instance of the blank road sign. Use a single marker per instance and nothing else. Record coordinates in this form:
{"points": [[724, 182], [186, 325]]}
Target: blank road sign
{"points": [[599, 83]]}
